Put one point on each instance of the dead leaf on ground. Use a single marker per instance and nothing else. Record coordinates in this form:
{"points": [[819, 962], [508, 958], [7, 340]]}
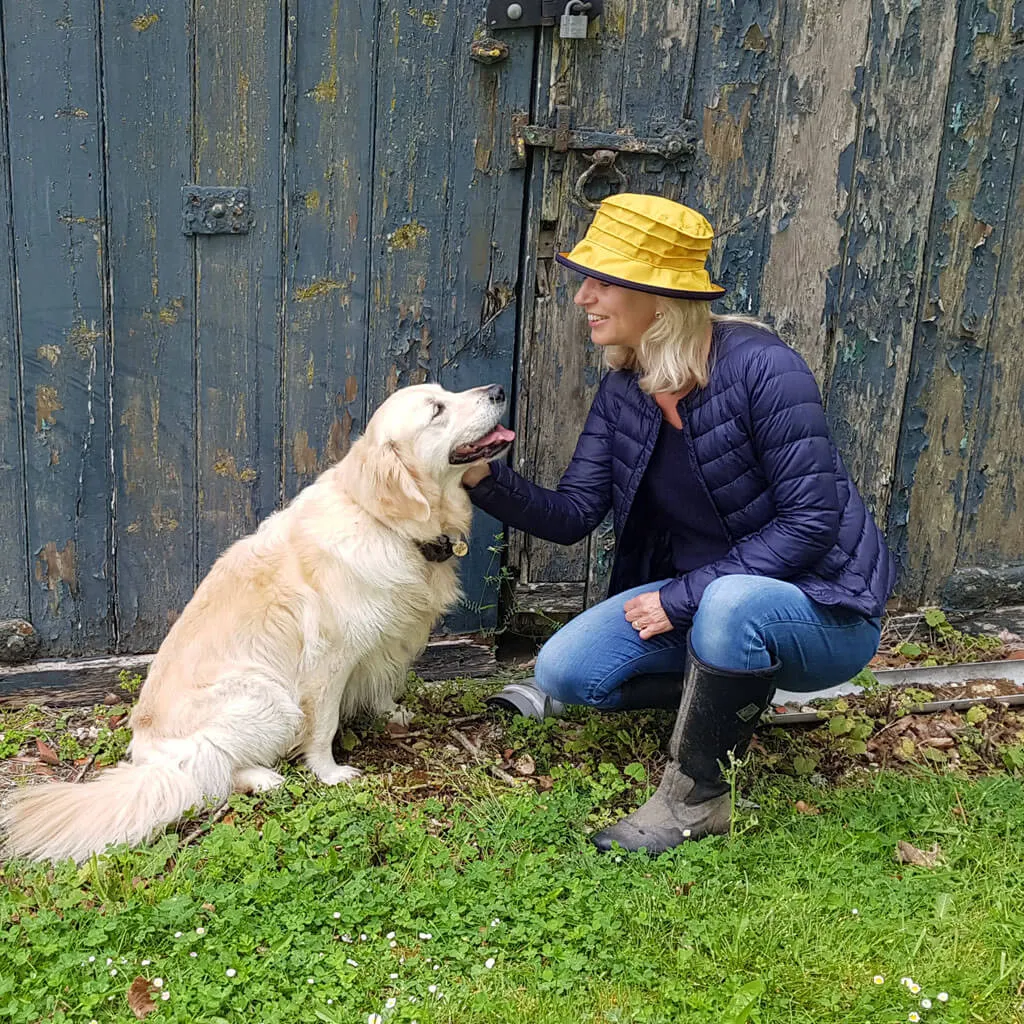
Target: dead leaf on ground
{"points": [[805, 808], [907, 853], [525, 765], [140, 997], [46, 753], [545, 783]]}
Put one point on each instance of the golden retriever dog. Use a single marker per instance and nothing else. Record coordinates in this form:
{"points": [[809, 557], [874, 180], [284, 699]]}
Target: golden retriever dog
{"points": [[316, 615]]}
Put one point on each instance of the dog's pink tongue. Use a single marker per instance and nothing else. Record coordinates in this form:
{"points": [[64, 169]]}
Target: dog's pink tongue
{"points": [[499, 435]]}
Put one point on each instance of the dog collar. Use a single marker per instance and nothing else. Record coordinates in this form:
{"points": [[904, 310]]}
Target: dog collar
{"points": [[441, 548]]}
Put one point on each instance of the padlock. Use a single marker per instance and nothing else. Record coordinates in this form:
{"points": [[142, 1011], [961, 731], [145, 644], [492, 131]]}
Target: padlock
{"points": [[573, 26]]}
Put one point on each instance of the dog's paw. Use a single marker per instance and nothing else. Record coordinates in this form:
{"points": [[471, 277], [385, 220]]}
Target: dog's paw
{"points": [[333, 775], [256, 780]]}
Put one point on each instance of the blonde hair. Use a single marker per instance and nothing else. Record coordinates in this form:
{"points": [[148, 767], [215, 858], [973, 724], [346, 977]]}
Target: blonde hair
{"points": [[674, 353]]}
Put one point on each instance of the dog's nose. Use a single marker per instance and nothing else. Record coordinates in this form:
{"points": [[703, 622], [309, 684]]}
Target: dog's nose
{"points": [[496, 394]]}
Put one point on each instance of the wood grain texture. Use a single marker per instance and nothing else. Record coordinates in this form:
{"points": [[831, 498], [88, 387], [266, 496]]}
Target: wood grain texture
{"points": [[147, 76], [939, 431], [239, 119], [633, 74], [14, 572], [910, 51], [735, 104], [811, 182], [992, 532], [445, 231], [57, 211], [331, 69]]}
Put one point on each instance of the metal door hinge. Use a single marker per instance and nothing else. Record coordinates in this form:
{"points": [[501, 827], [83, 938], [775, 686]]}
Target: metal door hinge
{"points": [[215, 210], [528, 13], [677, 143]]}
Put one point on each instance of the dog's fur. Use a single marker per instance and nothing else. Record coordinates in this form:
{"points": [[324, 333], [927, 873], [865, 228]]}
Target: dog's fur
{"points": [[322, 610]]}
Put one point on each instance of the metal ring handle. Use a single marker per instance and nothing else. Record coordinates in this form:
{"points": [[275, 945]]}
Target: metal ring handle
{"points": [[602, 160]]}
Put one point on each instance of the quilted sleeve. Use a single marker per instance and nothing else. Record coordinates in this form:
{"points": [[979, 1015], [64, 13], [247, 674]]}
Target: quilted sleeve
{"points": [[793, 445], [579, 502]]}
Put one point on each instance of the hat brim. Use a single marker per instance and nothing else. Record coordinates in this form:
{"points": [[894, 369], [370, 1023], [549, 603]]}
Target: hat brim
{"points": [[673, 293]]}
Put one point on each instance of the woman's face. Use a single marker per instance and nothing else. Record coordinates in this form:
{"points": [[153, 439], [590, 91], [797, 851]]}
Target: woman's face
{"points": [[617, 315]]}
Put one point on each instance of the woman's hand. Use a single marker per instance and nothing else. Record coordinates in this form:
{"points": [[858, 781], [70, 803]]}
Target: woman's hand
{"points": [[645, 614], [475, 474]]}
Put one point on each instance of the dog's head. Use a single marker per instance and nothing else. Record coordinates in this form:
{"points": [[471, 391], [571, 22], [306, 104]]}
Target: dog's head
{"points": [[419, 442]]}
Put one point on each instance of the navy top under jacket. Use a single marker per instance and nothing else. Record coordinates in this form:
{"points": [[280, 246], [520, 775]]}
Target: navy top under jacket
{"points": [[691, 532], [764, 456]]}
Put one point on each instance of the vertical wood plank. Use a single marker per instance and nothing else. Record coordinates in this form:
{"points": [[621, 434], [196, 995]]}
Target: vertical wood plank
{"points": [[14, 569], [239, 114], [446, 224], [634, 72], [993, 527], [967, 239], [147, 75], [57, 209], [908, 66], [332, 75], [735, 96], [811, 180]]}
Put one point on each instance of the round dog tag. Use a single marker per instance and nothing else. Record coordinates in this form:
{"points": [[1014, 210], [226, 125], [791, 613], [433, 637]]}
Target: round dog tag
{"points": [[460, 548]]}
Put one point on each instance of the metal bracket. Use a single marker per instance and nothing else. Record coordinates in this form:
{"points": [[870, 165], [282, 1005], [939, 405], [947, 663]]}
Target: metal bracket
{"points": [[528, 13], [215, 210], [675, 144]]}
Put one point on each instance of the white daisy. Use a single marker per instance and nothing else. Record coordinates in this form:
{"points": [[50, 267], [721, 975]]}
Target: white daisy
{"points": [[374, 1018], [878, 979], [165, 995], [231, 972], [426, 935], [489, 962], [200, 930], [495, 923], [157, 983], [391, 1003], [351, 962], [926, 1004], [943, 997]]}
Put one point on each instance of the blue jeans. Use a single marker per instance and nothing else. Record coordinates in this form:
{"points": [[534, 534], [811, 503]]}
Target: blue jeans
{"points": [[743, 622]]}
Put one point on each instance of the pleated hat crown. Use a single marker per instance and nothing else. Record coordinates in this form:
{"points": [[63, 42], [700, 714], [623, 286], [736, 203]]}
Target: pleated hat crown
{"points": [[647, 243]]}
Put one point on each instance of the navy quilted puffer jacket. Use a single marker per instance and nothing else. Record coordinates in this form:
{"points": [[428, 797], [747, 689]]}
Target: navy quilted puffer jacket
{"points": [[758, 436]]}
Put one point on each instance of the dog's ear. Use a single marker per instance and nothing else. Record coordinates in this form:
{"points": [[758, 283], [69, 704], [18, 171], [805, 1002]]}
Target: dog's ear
{"points": [[393, 486]]}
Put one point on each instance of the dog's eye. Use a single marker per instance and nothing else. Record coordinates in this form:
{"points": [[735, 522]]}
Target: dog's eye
{"points": [[438, 409]]}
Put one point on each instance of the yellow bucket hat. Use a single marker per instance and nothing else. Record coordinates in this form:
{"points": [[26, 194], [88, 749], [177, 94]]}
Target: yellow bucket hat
{"points": [[647, 243]]}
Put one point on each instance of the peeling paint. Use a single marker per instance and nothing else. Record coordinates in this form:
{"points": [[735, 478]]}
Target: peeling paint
{"points": [[163, 519], [55, 566], [48, 404], [145, 21], [170, 313], [408, 236], [304, 458], [313, 199], [51, 353], [83, 338], [318, 289]]}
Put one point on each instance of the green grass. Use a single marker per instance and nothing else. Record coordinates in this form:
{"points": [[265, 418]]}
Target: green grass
{"points": [[760, 927]]}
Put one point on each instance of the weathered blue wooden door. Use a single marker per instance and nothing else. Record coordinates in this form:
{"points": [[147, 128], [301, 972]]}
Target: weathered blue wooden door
{"points": [[168, 390]]}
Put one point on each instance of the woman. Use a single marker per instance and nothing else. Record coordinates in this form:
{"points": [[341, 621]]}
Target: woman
{"points": [[745, 558]]}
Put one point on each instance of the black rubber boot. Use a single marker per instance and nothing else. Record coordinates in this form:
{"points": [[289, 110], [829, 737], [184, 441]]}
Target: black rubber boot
{"points": [[719, 712]]}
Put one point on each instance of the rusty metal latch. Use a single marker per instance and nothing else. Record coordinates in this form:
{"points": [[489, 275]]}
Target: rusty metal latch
{"points": [[215, 210], [676, 144], [529, 13]]}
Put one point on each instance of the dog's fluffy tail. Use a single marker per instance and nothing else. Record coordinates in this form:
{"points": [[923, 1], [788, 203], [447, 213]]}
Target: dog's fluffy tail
{"points": [[126, 804]]}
